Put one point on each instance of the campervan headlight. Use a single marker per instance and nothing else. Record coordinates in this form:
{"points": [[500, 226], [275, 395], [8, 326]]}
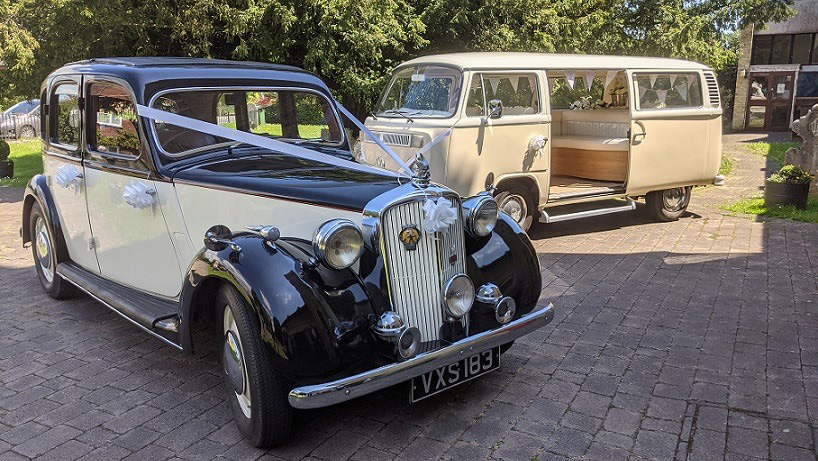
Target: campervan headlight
{"points": [[338, 243], [481, 215]]}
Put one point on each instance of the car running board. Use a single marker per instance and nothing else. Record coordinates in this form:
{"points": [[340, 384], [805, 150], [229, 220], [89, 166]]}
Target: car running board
{"points": [[157, 316], [546, 218]]}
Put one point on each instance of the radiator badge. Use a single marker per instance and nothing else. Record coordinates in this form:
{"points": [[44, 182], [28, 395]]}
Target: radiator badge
{"points": [[410, 235]]}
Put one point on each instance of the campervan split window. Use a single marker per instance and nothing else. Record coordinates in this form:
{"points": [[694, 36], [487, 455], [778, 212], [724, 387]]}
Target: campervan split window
{"points": [[656, 91]]}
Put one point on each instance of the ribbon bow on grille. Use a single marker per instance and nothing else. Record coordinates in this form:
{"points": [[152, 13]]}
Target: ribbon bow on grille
{"points": [[439, 215]]}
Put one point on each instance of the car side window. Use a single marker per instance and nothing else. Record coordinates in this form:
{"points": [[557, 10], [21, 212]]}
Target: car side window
{"points": [[668, 91], [65, 115], [518, 93], [112, 115]]}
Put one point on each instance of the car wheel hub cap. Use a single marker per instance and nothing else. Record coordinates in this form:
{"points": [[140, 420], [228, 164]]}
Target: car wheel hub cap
{"points": [[674, 199], [43, 247], [514, 206], [233, 360]]}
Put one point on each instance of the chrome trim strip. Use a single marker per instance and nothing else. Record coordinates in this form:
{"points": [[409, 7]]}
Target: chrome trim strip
{"points": [[331, 393]]}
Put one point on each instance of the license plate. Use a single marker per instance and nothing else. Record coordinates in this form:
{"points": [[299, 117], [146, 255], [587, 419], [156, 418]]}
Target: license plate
{"points": [[448, 376]]}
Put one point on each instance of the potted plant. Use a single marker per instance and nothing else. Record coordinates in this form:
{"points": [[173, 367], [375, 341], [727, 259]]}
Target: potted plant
{"points": [[787, 186], [6, 165]]}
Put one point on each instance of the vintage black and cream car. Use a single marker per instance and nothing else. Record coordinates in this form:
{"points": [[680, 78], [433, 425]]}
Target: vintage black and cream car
{"points": [[183, 190]]}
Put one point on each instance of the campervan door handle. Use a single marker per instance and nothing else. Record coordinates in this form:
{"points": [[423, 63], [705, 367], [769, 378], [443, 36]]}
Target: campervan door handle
{"points": [[640, 136]]}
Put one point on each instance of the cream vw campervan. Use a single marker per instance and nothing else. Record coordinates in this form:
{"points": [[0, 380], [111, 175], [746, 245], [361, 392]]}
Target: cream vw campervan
{"points": [[558, 136]]}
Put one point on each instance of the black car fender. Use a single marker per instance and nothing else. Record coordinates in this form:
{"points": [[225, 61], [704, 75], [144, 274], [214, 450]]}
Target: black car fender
{"points": [[507, 259], [38, 191], [315, 320]]}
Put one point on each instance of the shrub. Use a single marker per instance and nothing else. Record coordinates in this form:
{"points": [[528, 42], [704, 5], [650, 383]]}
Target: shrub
{"points": [[5, 150], [790, 174]]}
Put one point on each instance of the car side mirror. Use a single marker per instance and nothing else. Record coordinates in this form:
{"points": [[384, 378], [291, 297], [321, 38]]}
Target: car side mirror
{"points": [[495, 108]]}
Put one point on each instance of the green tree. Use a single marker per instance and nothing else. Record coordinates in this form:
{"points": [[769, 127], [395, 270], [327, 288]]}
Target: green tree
{"points": [[353, 44]]}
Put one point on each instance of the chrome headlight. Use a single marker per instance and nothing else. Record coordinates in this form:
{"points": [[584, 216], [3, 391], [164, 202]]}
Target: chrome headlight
{"points": [[458, 295], [481, 215], [338, 243]]}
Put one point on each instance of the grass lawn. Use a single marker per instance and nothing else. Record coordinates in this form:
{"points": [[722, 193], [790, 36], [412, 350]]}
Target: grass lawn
{"points": [[28, 161], [756, 206], [776, 150], [726, 165]]}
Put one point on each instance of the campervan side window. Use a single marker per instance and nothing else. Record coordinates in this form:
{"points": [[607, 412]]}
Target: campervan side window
{"points": [[518, 92], [657, 91]]}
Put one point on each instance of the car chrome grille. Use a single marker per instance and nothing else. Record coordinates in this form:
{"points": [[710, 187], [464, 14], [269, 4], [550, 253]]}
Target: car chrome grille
{"points": [[416, 277]]}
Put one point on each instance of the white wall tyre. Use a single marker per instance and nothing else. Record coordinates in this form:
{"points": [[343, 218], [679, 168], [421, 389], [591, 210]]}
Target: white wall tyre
{"points": [[517, 203], [257, 395], [44, 251], [669, 204]]}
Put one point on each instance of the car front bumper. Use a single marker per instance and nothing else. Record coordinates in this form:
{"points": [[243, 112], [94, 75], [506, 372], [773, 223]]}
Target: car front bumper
{"points": [[341, 390]]}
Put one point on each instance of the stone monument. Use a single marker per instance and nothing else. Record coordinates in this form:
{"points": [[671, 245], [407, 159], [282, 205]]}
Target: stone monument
{"points": [[806, 157]]}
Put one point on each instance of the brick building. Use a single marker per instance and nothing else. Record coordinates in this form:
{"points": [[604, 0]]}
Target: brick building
{"points": [[777, 77]]}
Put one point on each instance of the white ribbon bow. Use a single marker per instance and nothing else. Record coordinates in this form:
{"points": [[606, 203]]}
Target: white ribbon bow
{"points": [[440, 214], [136, 195], [536, 142], [67, 176]]}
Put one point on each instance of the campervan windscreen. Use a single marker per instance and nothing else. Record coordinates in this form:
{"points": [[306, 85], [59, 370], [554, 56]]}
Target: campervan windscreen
{"points": [[421, 91]]}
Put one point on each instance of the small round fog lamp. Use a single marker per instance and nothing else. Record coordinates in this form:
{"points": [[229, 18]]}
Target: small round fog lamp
{"points": [[458, 295]]}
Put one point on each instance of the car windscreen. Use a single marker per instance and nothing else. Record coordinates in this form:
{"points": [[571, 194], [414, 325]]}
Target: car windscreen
{"points": [[421, 91], [297, 116], [23, 107]]}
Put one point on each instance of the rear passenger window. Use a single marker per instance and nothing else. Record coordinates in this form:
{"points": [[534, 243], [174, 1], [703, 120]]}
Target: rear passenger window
{"points": [[65, 115], [668, 91], [518, 93], [113, 117]]}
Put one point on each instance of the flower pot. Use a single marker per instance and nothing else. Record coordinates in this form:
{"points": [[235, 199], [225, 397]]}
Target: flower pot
{"points": [[6, 169], [776, 194]]}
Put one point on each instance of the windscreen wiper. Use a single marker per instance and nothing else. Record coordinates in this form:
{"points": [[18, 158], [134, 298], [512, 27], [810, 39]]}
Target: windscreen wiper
{"points": [[398, 112]]}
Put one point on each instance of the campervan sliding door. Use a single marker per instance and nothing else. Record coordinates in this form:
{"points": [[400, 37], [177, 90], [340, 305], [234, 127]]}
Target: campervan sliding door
{"points": [[672, 121]]}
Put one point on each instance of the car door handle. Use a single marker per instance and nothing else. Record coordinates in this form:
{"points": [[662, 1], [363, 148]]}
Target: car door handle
{"points": [[639, 136], [138, 195], [68, 176]]}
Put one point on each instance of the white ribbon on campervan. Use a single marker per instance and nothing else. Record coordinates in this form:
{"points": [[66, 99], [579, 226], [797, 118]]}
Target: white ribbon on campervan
{"points": [[273, 144]]}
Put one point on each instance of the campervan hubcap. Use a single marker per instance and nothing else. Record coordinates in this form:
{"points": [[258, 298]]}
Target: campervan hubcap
{"points": [[233, 360], [514, 206], [674, 199], [43, 248]]}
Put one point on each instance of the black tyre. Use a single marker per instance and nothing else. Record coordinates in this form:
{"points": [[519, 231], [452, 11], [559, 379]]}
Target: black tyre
{"points": [[518, 204], [668, 205], [45, 256], [257, 394], [506, 346]]}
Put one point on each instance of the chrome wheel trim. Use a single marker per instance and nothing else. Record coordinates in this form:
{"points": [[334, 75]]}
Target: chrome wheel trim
{"points": [[231, 331], [42, 247], [674, 199], [514, 205], [27, 132]]}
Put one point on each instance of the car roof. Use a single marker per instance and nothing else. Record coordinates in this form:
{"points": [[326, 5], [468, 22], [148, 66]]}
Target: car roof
{"points": [[149, 75], [514, 60]]}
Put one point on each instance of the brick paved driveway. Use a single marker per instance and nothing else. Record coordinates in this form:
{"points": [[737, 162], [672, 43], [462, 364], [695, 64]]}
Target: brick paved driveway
{"points": [[690, 340]]}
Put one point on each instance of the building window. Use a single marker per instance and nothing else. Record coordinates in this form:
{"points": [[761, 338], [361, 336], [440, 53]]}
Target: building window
{"points": [[761, 49], [781, 49], [815, 50], [807, 86], [802, 48]]}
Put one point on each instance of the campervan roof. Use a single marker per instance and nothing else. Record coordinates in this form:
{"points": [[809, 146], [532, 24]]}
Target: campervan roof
{"points": [[501, 60]]}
